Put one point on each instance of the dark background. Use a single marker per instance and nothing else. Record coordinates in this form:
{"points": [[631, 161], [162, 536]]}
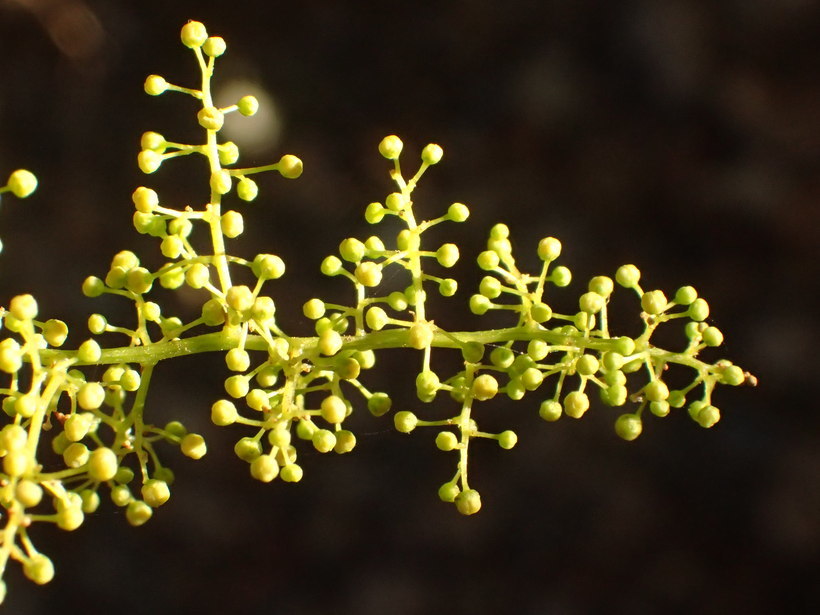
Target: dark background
{"points": [[682, 136]]}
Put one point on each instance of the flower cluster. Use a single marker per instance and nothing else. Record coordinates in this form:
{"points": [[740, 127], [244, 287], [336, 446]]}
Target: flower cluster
{"points": [[284, 391]]}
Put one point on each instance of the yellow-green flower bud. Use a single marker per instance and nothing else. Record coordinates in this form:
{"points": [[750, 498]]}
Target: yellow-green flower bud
{"points": [[390, 147], [248, 105], [193, 34], [210, 118], [214, 46], [431, 154], [22, 183], [155, 85], [289, 167]]}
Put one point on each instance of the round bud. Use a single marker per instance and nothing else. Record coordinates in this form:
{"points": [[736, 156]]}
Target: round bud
{"points": [[446, 440], [601, 285], [247, 449], [268, 266], [472, 352], [289, 167], [502, 357], [628, 276], [214, 46], [149, 161], [55, 332], [628, 426], [699, 310], [488, 260], [291, 473], [561, 276], [431, 154], [23, 307], [591, 302], [102, 464], [624, 346], [93, 286], [656, 391], [374, 213], [654, 302], [685, 295], [330, 342], [155, 85], [405, 421], [576, 404], [39, 569], [659, 408], [228, 153], [396, 201], [28, 493], [333, 409], [712, 336], [193, 446], [468, 502], [138, 513], [420, 335], [507, 439], [448, 492], [193, 34], [76, 455], [379, 404], [447, 255], [549, 249], [587, 365], [458, 212], [22, 183], [479, 304], [732, 375], [264, 468], [232, 224], [154, 141], [155, 492], [376, 318], [331, 266], [90, 395], [345, 441], [248, 105], [485, 387], [390, 147], [223, 412], [323, 440], [220, 181], [247, 189], [368, 273]]}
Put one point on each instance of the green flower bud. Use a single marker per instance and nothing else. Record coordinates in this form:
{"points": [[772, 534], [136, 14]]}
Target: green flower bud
{"points": [[561, 276], [431, 154], [223, 412], [246, 189], [479, 304], [39, 569], [333, 409], [656, 391], [23, 307], [291, 473], [685, 295], [93, 286], [193, 446], [628, 426], [214, 46], [268, 267], [232, 224], [379, 404], [374, 213], [102, 465], [576, 404], [405, 421], [193, 34], [155, 85], [549, 249], [149, 161], [220, 181], [628, 276], [55, 332], [289, 167], [488, 260], [138, 513], [248, 105], [323, 440], [485, 387], [154, 141], [468, 502], [247, 449], [28, 493], [155, 492], [237, 386], [591, 302], [330, 342], [22, 183], [699, 310], [507, 439], [472, 352], [458, 212], [390, 147], [76, 455], [368, 273], [654, 302], [447, 255], [659, 408], [331, 266], [264, 468], [446, 441], [427, 385], [376, 318], [420, 335], [447, 287], [712, 336], [239, 297], [448, 492]]}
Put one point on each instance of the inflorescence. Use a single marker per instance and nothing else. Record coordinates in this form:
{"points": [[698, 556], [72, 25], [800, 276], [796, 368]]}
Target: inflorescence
{"points": [[286, 392]]}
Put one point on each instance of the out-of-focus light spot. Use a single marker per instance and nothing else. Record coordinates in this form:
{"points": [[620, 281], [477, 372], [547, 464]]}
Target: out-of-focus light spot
{"points": [[259, 133]]}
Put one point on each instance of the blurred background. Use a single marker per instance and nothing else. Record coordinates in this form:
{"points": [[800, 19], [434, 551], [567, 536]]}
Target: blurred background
{"points": [[682, 136]]}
